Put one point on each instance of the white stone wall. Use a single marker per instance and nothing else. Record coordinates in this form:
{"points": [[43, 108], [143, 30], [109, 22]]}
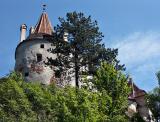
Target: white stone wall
{"points": [[26, 60], [143, 109], [27, 64]]}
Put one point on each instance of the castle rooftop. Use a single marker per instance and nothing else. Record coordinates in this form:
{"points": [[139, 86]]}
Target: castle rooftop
{"points": [[43, 26]]}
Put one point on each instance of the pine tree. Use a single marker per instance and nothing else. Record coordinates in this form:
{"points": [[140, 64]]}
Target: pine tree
{"points": [[84, 49]]}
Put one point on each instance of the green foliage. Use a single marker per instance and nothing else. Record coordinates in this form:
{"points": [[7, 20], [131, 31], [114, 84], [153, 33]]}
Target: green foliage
{"points": [[21, 101], [153, 101], [113, 85], [77, 106], [14, 104], [84, 43], [137, 118]]}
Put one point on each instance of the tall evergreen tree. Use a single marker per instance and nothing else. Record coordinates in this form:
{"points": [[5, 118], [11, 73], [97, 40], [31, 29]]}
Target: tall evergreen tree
{"points": [[84, 49]]}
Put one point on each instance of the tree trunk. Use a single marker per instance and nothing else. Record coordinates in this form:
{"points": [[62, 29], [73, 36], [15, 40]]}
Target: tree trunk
{"points": [[76, 71]]}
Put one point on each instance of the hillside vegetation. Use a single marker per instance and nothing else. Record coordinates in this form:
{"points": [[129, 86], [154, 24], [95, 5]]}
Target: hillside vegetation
{"points": [[30, 102]]}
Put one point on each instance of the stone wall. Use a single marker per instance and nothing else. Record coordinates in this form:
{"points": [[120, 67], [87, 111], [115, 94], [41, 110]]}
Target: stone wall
{"points": [[30, 57]]}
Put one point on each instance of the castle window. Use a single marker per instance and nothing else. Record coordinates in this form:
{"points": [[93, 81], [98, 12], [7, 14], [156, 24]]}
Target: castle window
{"points": [[57, 74], [42, 46], [26, 74], [39, 57]]}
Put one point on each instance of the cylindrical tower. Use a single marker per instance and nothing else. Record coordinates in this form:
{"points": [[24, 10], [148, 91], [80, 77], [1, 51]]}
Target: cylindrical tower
{"points": [[32, 53]]}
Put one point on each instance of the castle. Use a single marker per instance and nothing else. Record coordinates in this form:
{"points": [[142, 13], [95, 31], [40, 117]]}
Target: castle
{"points": [[32, 53], [137, 103]]}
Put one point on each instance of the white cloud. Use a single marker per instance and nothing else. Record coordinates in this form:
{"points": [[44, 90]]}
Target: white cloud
{"points": [[140, 52], [138, 47]]}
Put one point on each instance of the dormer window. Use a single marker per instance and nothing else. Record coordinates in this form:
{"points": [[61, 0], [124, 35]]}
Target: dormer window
{"points": [[42, 46], [39, 57]]}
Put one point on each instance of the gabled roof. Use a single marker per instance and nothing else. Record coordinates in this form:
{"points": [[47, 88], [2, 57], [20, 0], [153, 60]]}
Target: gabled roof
{"points": [[43, 26]]}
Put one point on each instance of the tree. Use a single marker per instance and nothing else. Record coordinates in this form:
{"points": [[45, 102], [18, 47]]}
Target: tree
{"points": [[153, 100], [14, 105], [114, 85], [84, 50], [21, 101], [27, 101], [77, 105], [158, 77], [136, 118]]}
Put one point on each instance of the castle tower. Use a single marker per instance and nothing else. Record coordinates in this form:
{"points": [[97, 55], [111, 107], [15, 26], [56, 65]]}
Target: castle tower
{"points": [[32, 52], [137, 103]]}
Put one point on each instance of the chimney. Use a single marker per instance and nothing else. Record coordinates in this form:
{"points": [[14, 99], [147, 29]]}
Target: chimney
{"points": [[23, 29], [133, 91], [31, 31], [65, 36]]}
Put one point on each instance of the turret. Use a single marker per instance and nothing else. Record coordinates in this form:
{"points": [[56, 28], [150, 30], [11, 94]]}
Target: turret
{"points": [[23, 29], [31, 31], [32, 54]]}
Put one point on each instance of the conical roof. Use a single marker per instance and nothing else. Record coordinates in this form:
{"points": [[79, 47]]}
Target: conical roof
{"points": [[43, 26]]}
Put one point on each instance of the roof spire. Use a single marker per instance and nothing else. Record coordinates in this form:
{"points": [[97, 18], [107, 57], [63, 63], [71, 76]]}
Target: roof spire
{"points": [[44, 26], [44, 7]]}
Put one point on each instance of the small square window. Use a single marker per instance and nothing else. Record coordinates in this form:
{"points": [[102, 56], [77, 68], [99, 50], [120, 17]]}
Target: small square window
{"points": [[42, 46], [39, 57], [26, 74], [57, 74]]}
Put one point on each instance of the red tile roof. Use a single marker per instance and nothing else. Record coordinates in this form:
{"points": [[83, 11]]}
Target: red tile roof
{"points": [[136, 92], [43, 26]]}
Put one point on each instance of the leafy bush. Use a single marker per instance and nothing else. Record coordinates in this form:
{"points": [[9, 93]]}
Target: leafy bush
{"points": [[21, 101]]}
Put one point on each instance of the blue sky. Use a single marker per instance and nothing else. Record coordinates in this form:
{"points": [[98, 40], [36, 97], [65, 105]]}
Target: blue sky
{"points": [[132, 26]]}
